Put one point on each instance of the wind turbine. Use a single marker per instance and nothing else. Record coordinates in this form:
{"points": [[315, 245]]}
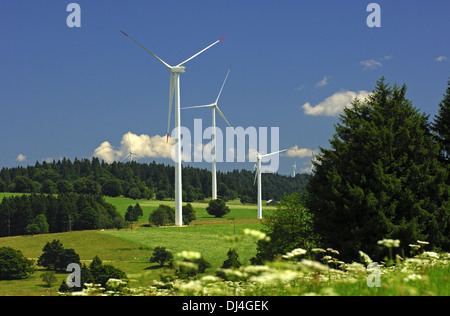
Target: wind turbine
{"points": [[175, 89], [130, 153], [294, 169], [259, 157], [214, 106]]}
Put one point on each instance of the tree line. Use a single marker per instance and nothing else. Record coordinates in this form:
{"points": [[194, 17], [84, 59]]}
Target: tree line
{"points": [[141, 181], [44, 213]]}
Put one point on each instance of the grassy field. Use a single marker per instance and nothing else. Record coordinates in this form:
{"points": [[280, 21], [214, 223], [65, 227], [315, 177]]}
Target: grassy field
{"points": [[130, 250]]}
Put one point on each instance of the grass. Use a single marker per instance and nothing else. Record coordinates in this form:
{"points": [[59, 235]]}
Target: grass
{"points": [[130, 250], [237, 209]]}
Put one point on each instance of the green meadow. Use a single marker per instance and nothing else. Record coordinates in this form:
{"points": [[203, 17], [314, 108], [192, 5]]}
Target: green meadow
{"points": [[130, 250]]}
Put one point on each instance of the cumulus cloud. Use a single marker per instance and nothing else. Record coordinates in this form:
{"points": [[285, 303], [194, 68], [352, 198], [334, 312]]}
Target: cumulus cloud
{"points": [[441, 58], [334, 104], [300, 152], [21, 158], [142, 146]]}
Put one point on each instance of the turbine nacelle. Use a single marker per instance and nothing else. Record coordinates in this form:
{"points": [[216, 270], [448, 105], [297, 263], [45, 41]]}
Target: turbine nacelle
{"points": [[178, 69]]}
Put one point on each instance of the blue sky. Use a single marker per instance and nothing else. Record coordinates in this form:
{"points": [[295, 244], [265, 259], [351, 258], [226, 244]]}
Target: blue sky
{"points": [[66, 91]]}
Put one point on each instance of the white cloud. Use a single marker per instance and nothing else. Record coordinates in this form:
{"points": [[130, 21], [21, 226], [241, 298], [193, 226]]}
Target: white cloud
{"points": [[143, 146], [441, 58], [300, 88], [323, 82], [334, 104], [21, 158], [107, 152], [300, 152], [370, 64]]}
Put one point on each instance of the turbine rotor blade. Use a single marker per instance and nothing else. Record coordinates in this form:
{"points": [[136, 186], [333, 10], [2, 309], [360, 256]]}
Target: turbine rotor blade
{"points": [[162, 61], [223, 116], [223, 84], [200, 52], [125, 157], [256, 175], [172, 88], [277, 152], [198, 106]]}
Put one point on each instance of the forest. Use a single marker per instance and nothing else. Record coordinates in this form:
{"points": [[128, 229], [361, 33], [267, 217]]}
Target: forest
{"points": [[31, 214], [139, 180]]}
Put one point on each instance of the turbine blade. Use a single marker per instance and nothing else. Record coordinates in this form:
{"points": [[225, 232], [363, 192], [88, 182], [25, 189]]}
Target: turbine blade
{"points": [[129, 143], [200, 52], [197, 106], [223, 84], [223, 116], [172, 88], [256, 175], [162, 61], [277, 152], [125, 157]]}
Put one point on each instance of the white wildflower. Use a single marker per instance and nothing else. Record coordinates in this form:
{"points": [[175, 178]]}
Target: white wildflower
{"points": [[256, 234], [423, 242], [412, 277], [294, 253], [430, 254], [189, 255], [389, 243], [209, 279], [367, 260], [314, 265]]}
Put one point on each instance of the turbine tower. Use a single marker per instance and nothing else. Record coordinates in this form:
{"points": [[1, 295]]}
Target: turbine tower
{"points": [[214, 106], [259, 157], [175, 89], [294, 169]]}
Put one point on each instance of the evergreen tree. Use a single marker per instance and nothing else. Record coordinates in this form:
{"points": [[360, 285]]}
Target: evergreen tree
{"points": [[380, 179], [14, 265], [232, 260], [55, 257], [441, 126]]}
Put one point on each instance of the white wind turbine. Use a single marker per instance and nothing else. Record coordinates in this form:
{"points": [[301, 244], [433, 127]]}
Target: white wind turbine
{"points": [[175, 89], [294, 169], [130, 153], [214, 106], [259, 158]]}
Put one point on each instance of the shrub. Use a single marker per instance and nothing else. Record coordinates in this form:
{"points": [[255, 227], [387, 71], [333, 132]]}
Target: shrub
{"points": [[161, 256], [14, 265], [217, 208], [163, 215]]}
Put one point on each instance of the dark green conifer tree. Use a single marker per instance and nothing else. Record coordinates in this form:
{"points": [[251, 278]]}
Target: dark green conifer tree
{"points": [[380, 179]]}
